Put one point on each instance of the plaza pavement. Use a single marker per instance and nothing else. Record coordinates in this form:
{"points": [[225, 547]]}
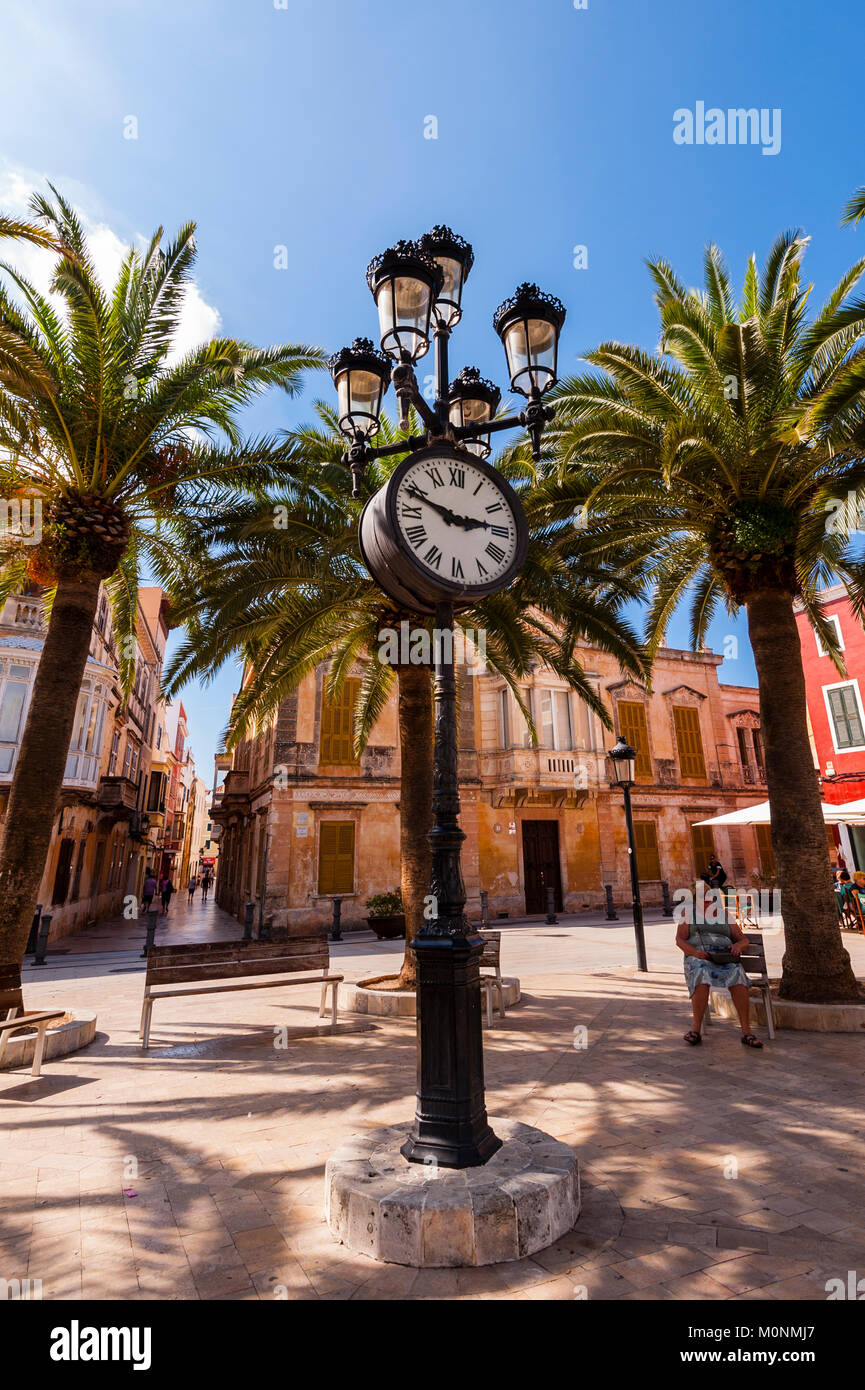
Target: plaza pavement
{"points": [[196, 1171]]}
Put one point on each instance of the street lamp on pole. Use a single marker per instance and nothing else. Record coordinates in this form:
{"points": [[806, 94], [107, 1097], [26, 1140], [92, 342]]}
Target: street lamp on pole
{"points": [[624, 762], [445, 486]]}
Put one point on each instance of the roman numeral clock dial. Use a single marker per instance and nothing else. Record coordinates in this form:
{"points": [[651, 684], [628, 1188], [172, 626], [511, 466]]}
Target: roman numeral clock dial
{"points": [[446, 525]]}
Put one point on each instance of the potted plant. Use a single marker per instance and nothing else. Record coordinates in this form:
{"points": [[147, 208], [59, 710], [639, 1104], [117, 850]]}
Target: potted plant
{"points": [[386, 915]]}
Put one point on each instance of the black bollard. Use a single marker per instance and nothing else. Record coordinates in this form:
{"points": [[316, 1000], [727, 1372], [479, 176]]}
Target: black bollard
{"points": [[668, 902], [152, 916], [612, 914], [551, 906], [42, 942], [336, 926], [485, 908], [248, 915], [34, 932]]}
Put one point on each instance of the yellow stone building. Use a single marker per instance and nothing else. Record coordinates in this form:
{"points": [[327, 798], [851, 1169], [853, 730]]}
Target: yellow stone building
{"points": [[303, 821]]}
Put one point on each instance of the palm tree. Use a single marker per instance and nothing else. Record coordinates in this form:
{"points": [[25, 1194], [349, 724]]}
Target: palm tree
{"points": [[719, 464], [123, 447], [286, 588], [854, 209]]}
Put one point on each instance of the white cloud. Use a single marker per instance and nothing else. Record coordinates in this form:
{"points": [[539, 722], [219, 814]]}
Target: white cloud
{"points": [[199, 321]]}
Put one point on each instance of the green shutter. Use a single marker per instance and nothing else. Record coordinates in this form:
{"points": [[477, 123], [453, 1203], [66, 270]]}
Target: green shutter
{"points": [[336, 857], [646, 845], [634, 730], [689, 741]]}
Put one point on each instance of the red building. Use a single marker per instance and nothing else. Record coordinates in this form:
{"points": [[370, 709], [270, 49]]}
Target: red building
{"points": [[836, 711]]}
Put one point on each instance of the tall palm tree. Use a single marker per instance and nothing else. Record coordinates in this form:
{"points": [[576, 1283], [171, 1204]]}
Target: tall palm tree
{"points": [[720, 464], [287, 589], [854, 209], [123, 447]]}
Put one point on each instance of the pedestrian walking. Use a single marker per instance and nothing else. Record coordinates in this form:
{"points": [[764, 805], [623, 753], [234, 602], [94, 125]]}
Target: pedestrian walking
{"points": [[166, 888], [205, 885], [148, 891], [191, 887]]}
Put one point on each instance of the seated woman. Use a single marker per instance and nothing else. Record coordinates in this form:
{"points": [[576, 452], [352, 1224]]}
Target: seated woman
{"points": [[699, 944]]}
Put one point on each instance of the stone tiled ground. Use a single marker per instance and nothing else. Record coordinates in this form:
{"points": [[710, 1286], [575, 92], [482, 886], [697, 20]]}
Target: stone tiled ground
{"points": [[197, 1171]]}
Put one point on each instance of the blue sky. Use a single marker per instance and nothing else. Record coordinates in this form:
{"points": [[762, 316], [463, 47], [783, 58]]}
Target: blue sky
{"points": [[300, 124]]}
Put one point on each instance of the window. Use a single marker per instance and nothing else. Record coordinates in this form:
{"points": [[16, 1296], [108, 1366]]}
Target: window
{"points": [[337, 721], [646, 845], [635, 731], [758, 750], [156, 795], [83, 761], [742, 736], [703, 842], [765, 851], [688, 741], [555, 721], [112, 761], [14, 687], [63, 871], [504, 722], [336, 856], [845, 715], [835, 622]]}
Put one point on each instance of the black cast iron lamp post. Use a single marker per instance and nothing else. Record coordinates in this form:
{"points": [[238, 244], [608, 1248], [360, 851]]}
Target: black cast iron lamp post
{"points": [[445, 530], [624, 762]]}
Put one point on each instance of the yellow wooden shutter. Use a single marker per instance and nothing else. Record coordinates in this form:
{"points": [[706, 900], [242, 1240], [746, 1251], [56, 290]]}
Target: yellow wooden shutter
{"points": [[646, 844], [703, 842], [690, 744], [633, 728], [336, 856], [764, 848], [337, 720]]}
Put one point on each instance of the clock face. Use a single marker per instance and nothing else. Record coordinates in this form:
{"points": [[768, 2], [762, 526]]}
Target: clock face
{"points": [[456, 521]]}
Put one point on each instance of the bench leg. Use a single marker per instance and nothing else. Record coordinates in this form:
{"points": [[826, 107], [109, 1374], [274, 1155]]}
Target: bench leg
{"points": [[501, 994], [7, 1032], [143, 1017], [145, 1025], [770, 1015], [322, 1008], [42, 1029], [334, 1003]]}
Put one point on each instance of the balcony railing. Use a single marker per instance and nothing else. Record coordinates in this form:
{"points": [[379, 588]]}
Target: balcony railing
{"points": [[117, 793]]}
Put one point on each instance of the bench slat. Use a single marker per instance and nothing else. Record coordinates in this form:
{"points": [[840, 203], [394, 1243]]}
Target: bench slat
{"points": [[235, 969]]}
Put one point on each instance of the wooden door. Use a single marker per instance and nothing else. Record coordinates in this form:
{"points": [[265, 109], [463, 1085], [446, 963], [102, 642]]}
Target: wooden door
{"points": [[64, 871], [541, 866]]}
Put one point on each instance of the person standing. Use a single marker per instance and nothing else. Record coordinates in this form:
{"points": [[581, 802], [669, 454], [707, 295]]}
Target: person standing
{"points": [[166, 889], [191, 887], [205, 885], [147, 891]]}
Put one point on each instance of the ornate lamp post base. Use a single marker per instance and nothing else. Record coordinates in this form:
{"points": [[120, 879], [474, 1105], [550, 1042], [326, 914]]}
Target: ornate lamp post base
{"points": [[451, 1126]]}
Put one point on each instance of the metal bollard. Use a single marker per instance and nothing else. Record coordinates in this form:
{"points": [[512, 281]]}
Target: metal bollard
{"points": [[248, 915], [152, 916], [485, 908], [34, 931], [668, 903], [42, 941], [336, 927], [612, 914], [551, 905]]}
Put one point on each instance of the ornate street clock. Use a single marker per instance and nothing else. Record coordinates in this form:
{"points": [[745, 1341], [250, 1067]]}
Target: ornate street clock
{"points": [[445, 526]]}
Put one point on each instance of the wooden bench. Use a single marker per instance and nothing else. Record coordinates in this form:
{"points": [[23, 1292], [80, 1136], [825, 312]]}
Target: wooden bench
{"points": [[16, 1018], [492, 982], [195, 965], [753, 962]]}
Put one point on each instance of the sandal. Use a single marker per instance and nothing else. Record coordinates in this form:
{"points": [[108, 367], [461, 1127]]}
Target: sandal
{"points": [[693, 1038], [750, 1040]]}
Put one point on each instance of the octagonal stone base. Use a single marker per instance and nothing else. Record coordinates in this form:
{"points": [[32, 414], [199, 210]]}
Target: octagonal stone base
{"points": [[522, 1200]]}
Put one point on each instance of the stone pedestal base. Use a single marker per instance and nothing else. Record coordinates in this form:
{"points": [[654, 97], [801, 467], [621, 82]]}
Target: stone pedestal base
{"points": [[522, 1200], [391, 1003]]}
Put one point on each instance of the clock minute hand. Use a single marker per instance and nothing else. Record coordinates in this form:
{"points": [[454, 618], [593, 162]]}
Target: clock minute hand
{"points": [[446, 512]]}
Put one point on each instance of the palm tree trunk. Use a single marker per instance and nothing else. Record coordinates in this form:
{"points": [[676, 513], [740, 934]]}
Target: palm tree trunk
{"points": [[415, 803], [816, 967], [42, 761]]}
